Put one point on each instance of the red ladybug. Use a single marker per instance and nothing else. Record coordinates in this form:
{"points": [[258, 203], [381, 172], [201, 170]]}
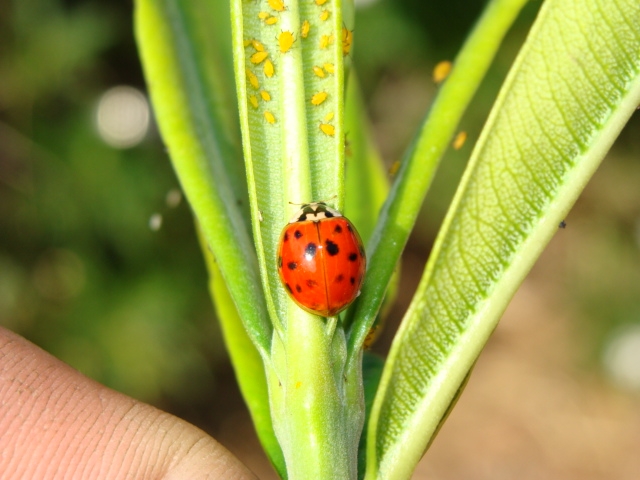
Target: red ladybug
{"points": [[321, 260]]}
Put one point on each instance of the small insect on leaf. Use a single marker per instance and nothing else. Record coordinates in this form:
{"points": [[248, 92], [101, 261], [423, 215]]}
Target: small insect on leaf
{"points": [[253, 100], [328, 129], [253, 79], [266, 96], [319, 98], [320, 2], [263, 15], [458, 142], [325, 41], [324, 15], [271, 20], [258, 57], [347, 39], [257, 45], [328, 117], [318, 71], [277, 5], [285, 41], [268, 68], [304, 29], [329, 67], [268, 116], [441, 71]]}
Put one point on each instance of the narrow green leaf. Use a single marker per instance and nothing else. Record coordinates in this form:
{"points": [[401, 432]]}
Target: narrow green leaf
{"points": [[246, 362], [570, 92], [367, 185], [399, 213], [290, 86], [366, 178], [185, 75], [288, 61]]}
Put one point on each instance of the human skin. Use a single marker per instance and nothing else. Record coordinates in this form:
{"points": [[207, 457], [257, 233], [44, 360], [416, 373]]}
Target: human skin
{"points": [[57, 423]]}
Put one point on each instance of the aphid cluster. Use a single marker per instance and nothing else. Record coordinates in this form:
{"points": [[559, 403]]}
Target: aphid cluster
{"points": [[262, 66]]}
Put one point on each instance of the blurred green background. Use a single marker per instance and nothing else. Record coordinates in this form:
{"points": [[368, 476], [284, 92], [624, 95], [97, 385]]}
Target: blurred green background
{"points": [[99, 264]]}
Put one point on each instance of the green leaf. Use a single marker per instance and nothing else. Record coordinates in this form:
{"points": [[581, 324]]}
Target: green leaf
{"points": [[189, 78], [367, 184], [290, 86], [246, 362], [399, 213], [185, 74], [289, 159], [570, 92]]}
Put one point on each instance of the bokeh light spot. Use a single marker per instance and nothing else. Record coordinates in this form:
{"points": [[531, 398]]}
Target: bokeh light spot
{"points": [[622, 357], [122, 116]]}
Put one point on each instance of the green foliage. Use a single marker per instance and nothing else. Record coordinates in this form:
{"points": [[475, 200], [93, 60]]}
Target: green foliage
{"points": [[541, 143], [80, 271]]}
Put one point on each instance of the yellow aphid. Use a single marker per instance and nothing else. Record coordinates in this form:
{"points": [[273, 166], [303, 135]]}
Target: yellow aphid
{"points": [[319, 72], [277, 5], [320, 2], [329, 67], [264, 15], [265, 95], [347, 38], [268, 116], [394, 168], [458, 142], [328, 117], [304, 29], [257, 45], [441, 71], [246, 43], [258, 57], [370, 338], [325, 41], [324, 15], [253, 100], [285, 40], [328, 129], [347, 147], [268, 68], [253, 79], [319, 98], [271, 20]]}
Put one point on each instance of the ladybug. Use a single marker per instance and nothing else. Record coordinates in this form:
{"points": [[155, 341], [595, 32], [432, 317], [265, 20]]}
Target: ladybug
{"points": [[321, 260]]}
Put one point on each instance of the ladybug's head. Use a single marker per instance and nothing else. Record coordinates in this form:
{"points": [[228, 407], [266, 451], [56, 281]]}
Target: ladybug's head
{"points": [[314, 212]]}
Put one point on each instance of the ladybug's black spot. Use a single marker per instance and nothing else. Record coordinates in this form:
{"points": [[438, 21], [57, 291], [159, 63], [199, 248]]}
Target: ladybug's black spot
{"points": [[298, 288], [352, 280], [297, 234], [310, 251], [312, 283], [328, 214], [292, 265], [332, 248], [286, 237], [288, 287], [353, 257], [338, 229], [339, 278]]}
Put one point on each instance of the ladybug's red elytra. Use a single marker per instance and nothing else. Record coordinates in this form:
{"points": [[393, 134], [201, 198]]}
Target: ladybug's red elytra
{"points": [[321, 260]]}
